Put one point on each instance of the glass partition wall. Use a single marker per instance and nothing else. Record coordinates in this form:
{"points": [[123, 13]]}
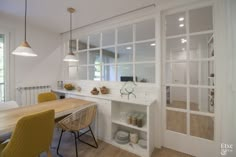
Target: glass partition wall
{"points": [[122, 53]]}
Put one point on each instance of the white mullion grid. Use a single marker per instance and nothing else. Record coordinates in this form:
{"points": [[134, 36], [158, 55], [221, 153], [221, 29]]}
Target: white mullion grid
{"points": [[109, 46], [93, 49], [176, 109], [191, 60], [192, 86], [188, 71], [191, 34], [125, 44], [134, 38], [116, 53], [176, 36], [203, 113], [145, 62], [201, 33], [143, 41], [82, 50], [88, 40]]}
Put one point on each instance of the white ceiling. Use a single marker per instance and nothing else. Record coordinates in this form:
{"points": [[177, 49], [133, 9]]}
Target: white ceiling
{"points": [[53, 15]]}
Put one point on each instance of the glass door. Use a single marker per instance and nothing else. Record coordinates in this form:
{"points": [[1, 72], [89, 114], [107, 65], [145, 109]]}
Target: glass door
{"points": [[189, 81]]}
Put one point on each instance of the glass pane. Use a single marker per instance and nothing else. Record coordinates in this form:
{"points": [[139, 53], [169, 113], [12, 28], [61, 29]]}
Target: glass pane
{"points": [[176, 73], [202, 73], [83, 43], [145, 72], [176, 121], [82, 58], [175, 24], [199, 47], [200, 19], [94, 57], [202, 99], [73, 45], [109, 73], [176, 97], [176, 48], [202, 126], [108, 55], [145, 51], [108, 38], [125, 54], [95, 72], [145, 30], [73, 73], [82, 72], [94, 41], [125, 72], [125, 34]]}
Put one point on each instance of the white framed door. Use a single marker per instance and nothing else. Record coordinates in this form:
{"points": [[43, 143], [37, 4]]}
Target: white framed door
{"points": [[189, 80]]}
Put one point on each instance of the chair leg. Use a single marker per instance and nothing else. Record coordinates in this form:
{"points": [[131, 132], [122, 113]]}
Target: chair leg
{"points": [[90, 130], [62, 131], [76, 150]]}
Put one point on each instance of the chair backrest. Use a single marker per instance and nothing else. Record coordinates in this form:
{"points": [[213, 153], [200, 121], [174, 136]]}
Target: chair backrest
{"points": [[79, 119], [8, 105], [32, 135], [48, 96]]}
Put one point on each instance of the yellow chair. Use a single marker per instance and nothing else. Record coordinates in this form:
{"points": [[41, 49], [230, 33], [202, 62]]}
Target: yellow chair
{"points": [[48, 96], [32, 136]]}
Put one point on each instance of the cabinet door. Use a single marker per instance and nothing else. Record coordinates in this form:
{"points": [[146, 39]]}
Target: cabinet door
{"points": [[104, 120]]}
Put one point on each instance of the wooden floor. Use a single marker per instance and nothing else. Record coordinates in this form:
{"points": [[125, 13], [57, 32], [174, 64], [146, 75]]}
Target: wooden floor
{"points": [[67, 149]]}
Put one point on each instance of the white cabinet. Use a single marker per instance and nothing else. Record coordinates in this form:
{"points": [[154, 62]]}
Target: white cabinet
{"points": [[109, 120]]}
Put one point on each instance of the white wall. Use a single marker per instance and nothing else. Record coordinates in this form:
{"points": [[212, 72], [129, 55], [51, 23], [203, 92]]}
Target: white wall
{"points": [[42, 70], [225, 66]]}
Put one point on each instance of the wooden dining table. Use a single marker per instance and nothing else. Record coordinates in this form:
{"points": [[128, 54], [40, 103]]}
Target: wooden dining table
{"points": [[62, 107]]}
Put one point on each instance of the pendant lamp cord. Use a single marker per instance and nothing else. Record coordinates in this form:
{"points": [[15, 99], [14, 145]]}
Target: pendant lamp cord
{"points": [[25, 16], [70, 33]]}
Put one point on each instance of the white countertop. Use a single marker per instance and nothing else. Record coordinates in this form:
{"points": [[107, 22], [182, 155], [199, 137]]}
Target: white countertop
{"points": [[138, 101]]}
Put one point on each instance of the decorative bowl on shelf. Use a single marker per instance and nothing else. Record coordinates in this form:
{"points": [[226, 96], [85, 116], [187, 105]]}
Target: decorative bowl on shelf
{"points": [[104, 90], [94, 91], [69, 86]]}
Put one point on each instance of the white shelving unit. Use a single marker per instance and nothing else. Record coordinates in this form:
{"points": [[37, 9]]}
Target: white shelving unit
{"points": [[108, 120]]}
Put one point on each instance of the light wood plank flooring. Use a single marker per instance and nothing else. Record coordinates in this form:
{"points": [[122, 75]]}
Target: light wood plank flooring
{"points": [[67, 149]]}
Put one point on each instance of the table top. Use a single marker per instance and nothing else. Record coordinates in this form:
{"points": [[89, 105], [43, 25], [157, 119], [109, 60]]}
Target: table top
{"points": [[9, 118]]}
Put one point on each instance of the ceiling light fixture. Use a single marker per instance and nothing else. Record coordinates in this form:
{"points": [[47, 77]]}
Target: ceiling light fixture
{"points": [[71, 56], [24, 49], [181, 19], [153, 44], [128, 48], [183, 40], [181, 25]]}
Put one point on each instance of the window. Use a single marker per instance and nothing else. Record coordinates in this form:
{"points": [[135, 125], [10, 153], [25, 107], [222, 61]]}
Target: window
{"points": [[126, 51]]}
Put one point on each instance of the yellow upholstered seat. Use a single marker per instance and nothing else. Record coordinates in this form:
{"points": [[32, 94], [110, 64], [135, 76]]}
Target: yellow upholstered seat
{"points": [[32, 136], [49, 96]]}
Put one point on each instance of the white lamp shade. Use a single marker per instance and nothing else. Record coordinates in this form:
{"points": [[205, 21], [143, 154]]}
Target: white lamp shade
{"points": [[24, 50], [70, 58]]}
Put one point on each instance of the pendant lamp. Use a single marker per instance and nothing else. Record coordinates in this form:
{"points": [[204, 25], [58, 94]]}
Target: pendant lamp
{"points": [[24, 49], [71, 56]]}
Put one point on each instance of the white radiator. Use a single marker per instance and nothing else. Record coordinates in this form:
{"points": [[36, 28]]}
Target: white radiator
{"points": [[29, 95]]}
